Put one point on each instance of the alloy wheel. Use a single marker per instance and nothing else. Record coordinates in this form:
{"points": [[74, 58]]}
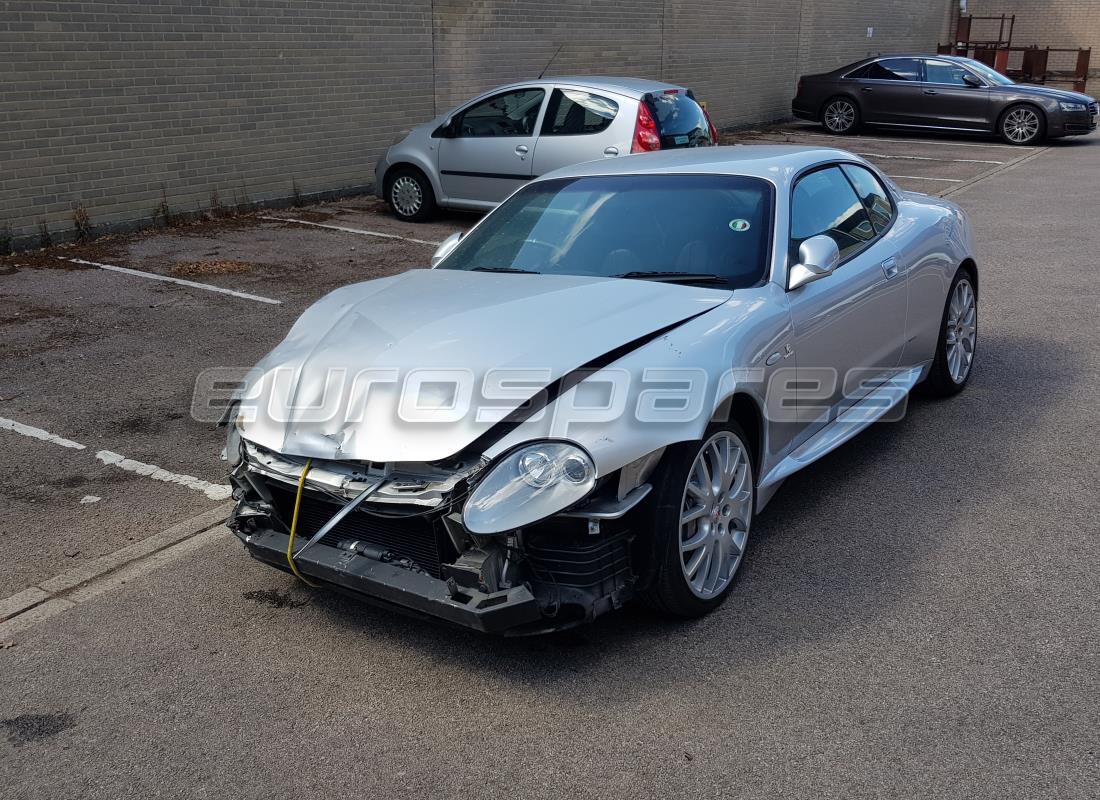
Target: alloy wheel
{"points": [[406, 196], [840, 115], [1021, 125], [715, 515], [962, 331]]}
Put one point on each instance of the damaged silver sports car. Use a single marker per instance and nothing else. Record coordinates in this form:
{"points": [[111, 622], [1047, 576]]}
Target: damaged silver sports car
{"points": [[591, 395]]}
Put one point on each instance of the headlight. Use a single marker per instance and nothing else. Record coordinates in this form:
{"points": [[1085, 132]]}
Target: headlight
{"points": [[527, 485], [1072, 106]]}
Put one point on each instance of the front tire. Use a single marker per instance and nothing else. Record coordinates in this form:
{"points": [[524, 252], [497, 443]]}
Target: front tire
{"points": [[409, 193], [840, 115], [1023, 125], [705, 501], [954, 361]]}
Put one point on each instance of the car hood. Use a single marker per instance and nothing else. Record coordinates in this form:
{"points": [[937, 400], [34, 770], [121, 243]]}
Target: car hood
{"points": [[1045, 91], [332, 388]]}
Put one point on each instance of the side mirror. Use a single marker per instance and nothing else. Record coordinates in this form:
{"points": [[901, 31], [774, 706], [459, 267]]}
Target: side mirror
{"points": [[817, 257], [445, 131], [972, 81], [448, 245]]}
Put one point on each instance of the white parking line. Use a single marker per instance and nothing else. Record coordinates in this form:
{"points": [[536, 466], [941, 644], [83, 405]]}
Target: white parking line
{"points": [[193, 284], [928, 158], [901, 140], [923, 178], [214, 491], [38, 433], [358, 231]]}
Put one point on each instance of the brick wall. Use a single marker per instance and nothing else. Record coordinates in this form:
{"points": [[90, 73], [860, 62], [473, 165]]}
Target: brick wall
{"points": [[116, 105], [1053, 23]]}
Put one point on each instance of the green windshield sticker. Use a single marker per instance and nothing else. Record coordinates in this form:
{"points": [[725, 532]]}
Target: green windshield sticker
{"points": [[739, 225]]}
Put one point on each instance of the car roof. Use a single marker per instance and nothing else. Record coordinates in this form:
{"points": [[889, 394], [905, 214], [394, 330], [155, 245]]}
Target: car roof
{"points": [[633, 87], [775, 163]]}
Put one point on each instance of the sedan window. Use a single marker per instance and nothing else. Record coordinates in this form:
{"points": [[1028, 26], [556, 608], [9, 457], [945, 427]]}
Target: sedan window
{"points": [[945, 72], [508, 114], [895, 69], [574, 112], [874, 196], [706, 229], [824, 203]]}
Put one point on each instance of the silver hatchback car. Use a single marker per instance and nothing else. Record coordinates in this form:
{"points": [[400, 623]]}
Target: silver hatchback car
{"points": [[475, 155]]}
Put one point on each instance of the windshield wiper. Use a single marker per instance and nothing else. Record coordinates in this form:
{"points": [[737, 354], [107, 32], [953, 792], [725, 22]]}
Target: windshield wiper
{"points": [[505, 269], [674, 277]]}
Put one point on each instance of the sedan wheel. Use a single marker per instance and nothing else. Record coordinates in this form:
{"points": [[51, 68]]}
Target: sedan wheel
{"points": [[705, 501], [1022, 125], [840, 116]]}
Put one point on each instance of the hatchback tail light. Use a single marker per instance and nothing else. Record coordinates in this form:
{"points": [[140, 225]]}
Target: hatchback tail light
{"points": [[713, 130], [645, 131]]}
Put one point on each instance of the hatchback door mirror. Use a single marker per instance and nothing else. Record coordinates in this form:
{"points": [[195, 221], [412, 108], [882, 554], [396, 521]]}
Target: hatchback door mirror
{"points": [[445, 249], [818, 256], [972, 80]]}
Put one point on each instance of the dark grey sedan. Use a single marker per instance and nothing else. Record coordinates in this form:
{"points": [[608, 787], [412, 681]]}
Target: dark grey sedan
{"points": [[941, 92]]}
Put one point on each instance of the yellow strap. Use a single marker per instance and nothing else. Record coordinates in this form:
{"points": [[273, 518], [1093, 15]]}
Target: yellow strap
{"points": [[294, 526]]}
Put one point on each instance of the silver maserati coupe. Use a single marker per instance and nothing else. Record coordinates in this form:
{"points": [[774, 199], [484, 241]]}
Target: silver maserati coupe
{"points": [[591, 394]]}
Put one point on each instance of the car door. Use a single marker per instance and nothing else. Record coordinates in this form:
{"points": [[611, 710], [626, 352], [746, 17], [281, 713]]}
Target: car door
{"points": [[581, 125], [849, 327], [890, 90], [485, 152], [948, 100]]}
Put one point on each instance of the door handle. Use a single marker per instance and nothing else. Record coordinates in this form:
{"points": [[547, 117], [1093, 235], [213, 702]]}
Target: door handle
{"points": [[521, 150], [890, 267], [611, 151], [865, 88], [930, 91]]}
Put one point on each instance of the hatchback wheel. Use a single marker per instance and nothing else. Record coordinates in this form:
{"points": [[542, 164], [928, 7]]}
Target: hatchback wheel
{"points": [[704, 513], [958, 339], [1022, 125], [410, 195], [841, 116]]}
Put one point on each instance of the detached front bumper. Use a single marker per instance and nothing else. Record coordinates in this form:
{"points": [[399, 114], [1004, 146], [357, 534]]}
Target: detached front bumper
{"points": [[392, 585]]}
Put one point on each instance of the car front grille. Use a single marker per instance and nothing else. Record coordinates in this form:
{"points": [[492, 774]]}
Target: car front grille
{"points": [[418, 538]]}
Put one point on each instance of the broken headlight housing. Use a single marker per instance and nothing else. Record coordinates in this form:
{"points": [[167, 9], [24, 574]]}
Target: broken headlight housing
{"points": [[527, 485]]}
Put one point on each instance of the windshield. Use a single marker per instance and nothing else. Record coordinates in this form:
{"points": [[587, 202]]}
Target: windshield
{"points": [[684, 228], [991, 75]]}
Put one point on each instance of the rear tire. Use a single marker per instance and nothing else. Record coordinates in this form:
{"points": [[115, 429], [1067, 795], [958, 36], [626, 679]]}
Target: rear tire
{"points": [[1022, 125], [705, 499], [409, 194], [840, 115], [956, 349]]}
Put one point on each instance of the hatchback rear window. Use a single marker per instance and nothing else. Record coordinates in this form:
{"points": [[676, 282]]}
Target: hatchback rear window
{"points": [[681, 122]]}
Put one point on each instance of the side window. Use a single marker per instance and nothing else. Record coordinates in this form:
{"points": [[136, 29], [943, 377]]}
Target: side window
{"points": [[573, 112], [509, 114], [944, 72], [895, 69], [873, 194], [824, 202]]}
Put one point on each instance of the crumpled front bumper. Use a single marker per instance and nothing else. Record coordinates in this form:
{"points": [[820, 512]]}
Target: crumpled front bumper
{"points": [[392, 585]]}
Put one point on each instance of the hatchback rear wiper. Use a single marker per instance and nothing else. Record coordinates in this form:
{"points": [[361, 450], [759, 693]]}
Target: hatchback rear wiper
{"points": [[505, 269], [674, 277]]}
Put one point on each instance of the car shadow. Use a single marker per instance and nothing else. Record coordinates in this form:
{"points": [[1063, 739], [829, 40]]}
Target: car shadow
{"points": [[902, 135], [846, 543]]}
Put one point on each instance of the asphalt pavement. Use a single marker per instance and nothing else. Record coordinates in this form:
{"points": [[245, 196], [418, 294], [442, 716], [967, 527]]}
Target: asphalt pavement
{"points": [[918, 614]]}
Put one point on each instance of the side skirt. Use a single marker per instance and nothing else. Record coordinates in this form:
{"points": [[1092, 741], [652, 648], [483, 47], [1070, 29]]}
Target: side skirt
{"points": [[848, 423]]}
